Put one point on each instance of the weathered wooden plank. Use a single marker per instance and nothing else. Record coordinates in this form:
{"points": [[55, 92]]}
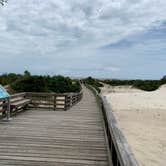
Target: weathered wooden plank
{"points": [[22, 95], [48, 138]]}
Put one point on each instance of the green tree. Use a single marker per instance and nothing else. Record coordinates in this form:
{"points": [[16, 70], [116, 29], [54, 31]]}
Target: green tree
{"points": [[30, 84], [164, 77], [6, 79], [27, 73], [58, 84]]}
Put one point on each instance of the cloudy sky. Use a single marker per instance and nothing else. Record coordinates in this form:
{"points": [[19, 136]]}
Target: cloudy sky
{"points": [[101, 38]]}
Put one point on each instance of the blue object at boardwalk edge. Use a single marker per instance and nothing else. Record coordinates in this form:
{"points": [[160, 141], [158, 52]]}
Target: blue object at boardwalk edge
{"points": [[3, 93]]}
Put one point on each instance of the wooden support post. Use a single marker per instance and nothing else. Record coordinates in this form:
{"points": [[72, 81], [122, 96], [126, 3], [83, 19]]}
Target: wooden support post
{"points": [[7, 118], [8, 109], [54, 102], [65, 106]]}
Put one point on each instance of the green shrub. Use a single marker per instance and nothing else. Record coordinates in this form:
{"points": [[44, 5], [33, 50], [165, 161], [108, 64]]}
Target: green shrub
{"points": [[147, 85], [93, 82], [6, 79], [30, 84], [35, 83]]}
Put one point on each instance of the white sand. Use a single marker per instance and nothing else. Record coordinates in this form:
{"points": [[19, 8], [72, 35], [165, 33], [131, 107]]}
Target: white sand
{"points": [[142, 117]]}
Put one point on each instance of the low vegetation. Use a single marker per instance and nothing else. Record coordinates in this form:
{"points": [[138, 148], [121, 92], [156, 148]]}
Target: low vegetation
{"points": [[94, 82], [147, 85], [60, 84], [34, 83]]}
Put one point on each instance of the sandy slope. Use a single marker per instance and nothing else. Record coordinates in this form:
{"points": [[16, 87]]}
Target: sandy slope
{"points": [[142, 117]]}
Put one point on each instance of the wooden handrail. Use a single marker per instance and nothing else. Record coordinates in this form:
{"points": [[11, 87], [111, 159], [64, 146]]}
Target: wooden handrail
{"points": [[54, 101], [62, 101], [17, 95], [121, 154]]}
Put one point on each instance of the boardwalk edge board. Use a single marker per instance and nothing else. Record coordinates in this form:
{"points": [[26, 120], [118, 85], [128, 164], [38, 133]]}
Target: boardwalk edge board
{"points": [[120, 150]]}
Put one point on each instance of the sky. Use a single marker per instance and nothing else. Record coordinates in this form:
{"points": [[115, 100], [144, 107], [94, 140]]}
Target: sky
{"points": [[123, 39]]}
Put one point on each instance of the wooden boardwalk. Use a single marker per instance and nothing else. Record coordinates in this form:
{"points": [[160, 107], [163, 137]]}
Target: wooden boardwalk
{"points": [[63, 138]]}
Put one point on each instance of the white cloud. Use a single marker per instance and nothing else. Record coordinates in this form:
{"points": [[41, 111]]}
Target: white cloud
{"points": [[81, 22], [60, 28]]}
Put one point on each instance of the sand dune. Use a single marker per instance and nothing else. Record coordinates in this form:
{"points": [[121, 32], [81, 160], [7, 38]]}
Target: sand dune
{"points": [[142, 117]]}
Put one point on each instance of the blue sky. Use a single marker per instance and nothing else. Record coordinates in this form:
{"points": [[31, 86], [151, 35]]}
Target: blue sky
{"points": [[103, 38]]}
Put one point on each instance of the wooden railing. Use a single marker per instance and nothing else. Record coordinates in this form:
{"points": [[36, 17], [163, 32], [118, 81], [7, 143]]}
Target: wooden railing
{"points": [[53, 101], [16, 97], [120, 152]]}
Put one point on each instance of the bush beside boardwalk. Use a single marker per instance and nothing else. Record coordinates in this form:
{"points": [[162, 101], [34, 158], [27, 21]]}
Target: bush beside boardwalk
{"points": [[34, 83], [94, 82]]}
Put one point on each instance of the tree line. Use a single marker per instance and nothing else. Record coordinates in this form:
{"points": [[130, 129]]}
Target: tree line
{"points": [[39, 83]]}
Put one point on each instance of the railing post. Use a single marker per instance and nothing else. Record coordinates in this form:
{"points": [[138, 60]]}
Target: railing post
{"points": [[54, 102], [4, 107], [65, 104], [8, 108], [71, 99]]}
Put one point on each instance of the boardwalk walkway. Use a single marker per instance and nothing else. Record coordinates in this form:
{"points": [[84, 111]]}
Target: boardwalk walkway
{"points": [[63, 138]]}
